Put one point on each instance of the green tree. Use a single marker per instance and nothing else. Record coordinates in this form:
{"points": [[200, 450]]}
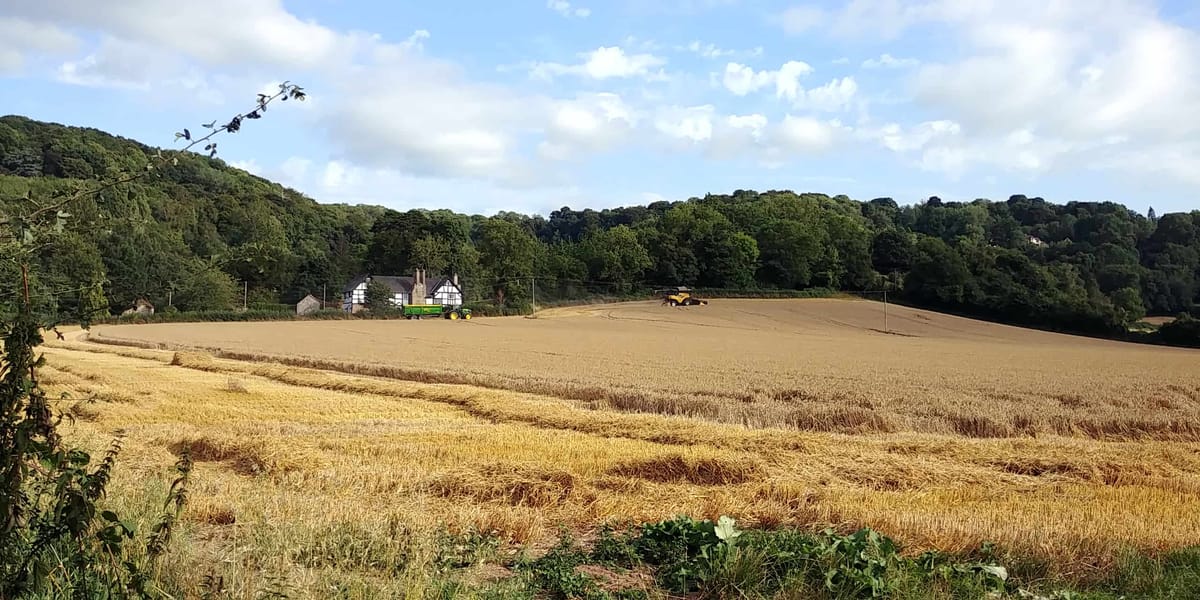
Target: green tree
{"points": [[1127, 304], [851, 239], [430, 253], [463, 259], [939, 275], [730, 259], [379, 297], [392, 238], [891, 251], [207, 289], [615, 255], [505, 250], [73, 274], [789, 251]]}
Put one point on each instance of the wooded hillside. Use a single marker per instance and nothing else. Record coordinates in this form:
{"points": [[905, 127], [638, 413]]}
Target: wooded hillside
{"points": [[198, 229]]}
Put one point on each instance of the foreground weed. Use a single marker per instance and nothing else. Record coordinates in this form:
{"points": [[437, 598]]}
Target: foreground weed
{"points": [[554, 573], [717, 560], [613, 550], [460, 551]]}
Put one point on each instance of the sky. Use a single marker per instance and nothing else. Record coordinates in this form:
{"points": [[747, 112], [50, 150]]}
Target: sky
{"points": [[532, 105]]}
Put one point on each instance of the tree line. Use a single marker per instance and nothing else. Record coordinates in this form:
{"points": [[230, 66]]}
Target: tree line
{"points": [[200, 232]]}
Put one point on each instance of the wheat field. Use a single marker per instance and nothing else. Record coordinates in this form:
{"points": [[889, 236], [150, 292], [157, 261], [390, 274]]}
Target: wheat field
{"points": [[323, 448], [823, 365]]}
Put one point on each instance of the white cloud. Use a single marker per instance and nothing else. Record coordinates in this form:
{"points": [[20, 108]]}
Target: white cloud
{"points": [[339, 181], [646, 45], [249, 166], [1179, 161], [835, 95], [416, 41], [787, 82], [423, 117], [295, 168], [335, 175], [588, 123], [831, 97], [754, 124], [234, 31], [117, 64], [19, 37], [941, 146], [737, 136], [749, 136], [565, 9], [713, 51], [741, 80], [606, 62], [887, 61], [894, 137], [652, 197], [120, 64], [691, 124], [800, 19], [1042, 86], [135, 66], [807, 135]]}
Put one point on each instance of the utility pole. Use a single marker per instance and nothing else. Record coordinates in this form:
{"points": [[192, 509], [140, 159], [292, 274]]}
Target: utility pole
{"points": [[885, 310], [169, 290], [245, 294], [322, 296], [533, 288]]}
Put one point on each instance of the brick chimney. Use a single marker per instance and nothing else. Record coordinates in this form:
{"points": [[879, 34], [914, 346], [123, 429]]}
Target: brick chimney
{"points": [[454, 279], [418, 288]]}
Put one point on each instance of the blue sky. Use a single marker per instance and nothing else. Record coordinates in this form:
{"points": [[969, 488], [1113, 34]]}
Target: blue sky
{"points": [[533, 105]]}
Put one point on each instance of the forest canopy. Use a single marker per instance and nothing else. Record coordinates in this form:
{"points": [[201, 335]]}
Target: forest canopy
{"points": [[201, 233]]}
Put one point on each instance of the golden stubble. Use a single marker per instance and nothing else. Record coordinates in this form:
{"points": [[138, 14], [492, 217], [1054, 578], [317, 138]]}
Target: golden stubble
{"points": [[811, 365], [301, 470]]}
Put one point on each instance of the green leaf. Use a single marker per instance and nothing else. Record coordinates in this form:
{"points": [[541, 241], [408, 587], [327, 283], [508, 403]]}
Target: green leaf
{"points": [[109, 516]]}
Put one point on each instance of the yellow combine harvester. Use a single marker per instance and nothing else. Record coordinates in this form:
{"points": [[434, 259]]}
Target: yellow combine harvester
{"points": [[679, 296]]}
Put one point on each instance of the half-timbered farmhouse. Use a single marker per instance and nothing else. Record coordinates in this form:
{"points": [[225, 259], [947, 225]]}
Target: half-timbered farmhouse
{"points": [[417, 289]]}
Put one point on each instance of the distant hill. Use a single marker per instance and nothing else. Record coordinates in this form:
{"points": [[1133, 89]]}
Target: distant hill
{"points": [[198, 232], [161, 232]]}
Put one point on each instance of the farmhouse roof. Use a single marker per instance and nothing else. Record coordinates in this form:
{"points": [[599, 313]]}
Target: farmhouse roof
{"points": [[437, 283], [353, 283], [398, 284]]}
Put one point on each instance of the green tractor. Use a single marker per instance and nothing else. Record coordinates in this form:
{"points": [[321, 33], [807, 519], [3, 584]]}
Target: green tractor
{"points": [[436, 311]]}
